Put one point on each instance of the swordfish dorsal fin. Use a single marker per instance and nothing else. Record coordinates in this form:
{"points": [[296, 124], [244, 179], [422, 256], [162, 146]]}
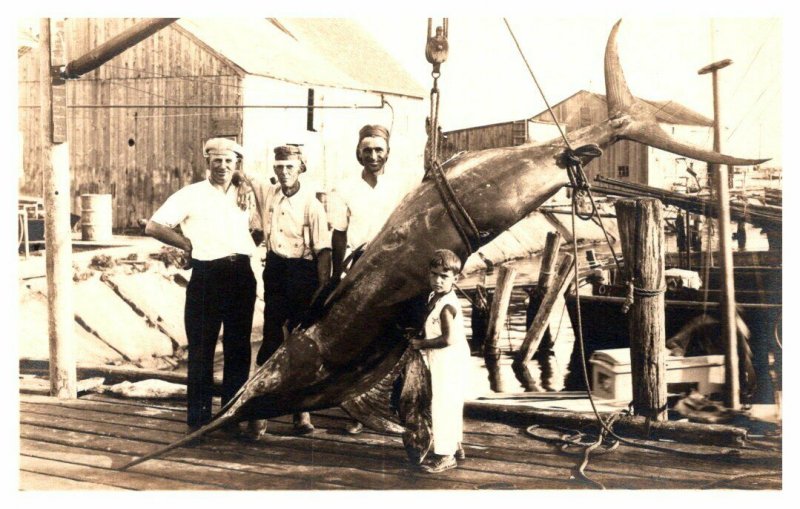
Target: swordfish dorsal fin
{"points": [[637, 120]]}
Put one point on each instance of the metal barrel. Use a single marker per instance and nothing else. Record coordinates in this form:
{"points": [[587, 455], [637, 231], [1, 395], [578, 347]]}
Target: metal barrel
{"points": [[96, 217]]}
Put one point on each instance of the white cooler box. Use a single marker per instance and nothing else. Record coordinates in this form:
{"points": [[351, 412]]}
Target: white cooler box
{"points": [[611, 374]]}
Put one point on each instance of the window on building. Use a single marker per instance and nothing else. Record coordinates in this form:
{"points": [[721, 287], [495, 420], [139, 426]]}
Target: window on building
{"points": [[623, 171], [586, 116]]}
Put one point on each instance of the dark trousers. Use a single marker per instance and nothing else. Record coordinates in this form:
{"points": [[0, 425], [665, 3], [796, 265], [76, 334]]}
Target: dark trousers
{"points": [[220, 293], [289, 284]]}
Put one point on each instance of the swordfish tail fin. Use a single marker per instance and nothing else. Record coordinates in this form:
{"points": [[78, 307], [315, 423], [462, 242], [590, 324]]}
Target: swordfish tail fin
{"points": [[635, 119], [618, 95]]}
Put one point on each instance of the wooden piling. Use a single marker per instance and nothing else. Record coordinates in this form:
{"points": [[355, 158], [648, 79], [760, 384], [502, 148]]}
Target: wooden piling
{"points": [[546, 275], [542, 319], [499, 310], [641, 228], [682, 239], [58, 239], [549, 259]]}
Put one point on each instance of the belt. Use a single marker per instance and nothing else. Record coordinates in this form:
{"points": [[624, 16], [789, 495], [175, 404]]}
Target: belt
{"points": [[225, 260]]}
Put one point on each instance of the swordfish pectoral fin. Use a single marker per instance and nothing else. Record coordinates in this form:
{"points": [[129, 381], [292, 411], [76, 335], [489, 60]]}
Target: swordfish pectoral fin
{"points": [[414, 405], [650, 133], [399, 403], [375, 407]]}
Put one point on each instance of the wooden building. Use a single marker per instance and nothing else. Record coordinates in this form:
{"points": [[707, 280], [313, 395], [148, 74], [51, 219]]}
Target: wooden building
{"points": [[137, 124], [625, 160]]}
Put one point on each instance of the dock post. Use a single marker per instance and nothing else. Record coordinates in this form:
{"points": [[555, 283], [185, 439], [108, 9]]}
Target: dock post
{"points": [[641, 228], [499, 311], [542, 319], [536, 296], [58, 239], [546, 275]]}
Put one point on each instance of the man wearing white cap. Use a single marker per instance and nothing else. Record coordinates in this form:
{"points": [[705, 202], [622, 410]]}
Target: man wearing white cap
{"points": [[222, 290]]}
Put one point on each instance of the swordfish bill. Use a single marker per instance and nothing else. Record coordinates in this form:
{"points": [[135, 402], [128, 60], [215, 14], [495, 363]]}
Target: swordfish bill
{"points": [[356, 339]]}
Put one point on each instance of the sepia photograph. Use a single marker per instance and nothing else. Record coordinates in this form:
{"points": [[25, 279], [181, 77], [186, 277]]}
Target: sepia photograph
{"points": [[364, 250]]}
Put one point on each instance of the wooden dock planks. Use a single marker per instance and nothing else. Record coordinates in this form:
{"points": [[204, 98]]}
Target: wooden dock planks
{"points": [[84, 441]]}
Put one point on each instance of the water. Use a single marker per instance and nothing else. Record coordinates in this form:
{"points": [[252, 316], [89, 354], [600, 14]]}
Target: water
{"points": [[547, 370], [544, 372]]}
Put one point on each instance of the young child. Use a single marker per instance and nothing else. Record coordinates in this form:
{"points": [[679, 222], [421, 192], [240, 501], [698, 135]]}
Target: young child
{"points": [[446, 352]]}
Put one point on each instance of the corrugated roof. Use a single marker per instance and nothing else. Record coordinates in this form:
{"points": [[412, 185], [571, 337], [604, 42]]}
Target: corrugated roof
{"points": [[327, 52]]}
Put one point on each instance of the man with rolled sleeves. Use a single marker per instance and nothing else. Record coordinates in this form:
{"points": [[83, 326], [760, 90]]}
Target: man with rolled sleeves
{"points": [[298, 260], [222, 289]]}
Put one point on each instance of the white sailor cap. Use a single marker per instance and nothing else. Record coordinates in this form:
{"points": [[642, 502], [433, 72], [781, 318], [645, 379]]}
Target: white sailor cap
{"points": [[221, 145]]}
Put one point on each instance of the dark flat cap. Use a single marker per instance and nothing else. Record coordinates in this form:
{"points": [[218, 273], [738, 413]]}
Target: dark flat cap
{"points": [[288, 151], [373, 130]]}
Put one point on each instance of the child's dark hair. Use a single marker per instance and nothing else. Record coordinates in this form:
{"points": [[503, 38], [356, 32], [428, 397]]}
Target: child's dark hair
{"points": [[446, 259]]}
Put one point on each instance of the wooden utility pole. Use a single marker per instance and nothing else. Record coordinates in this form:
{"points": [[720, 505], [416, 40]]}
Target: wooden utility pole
{"points": [[53, 69], [641, 230], [58, 239], [728, 302]]}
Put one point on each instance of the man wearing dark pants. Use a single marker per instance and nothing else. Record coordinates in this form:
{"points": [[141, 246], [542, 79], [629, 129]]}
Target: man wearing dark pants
{"points": [[298, 257], [359, 206], [222, 290]]}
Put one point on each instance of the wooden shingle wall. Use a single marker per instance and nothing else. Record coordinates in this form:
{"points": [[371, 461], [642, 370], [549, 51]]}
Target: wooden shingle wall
{"points": [[138, 155], [478, 138]]}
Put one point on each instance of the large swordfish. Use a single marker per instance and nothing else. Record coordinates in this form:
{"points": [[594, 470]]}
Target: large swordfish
{"points": [[356, 342]]}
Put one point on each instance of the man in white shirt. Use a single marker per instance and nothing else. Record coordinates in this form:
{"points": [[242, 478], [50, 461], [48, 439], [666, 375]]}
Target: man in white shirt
{"points": [[222, 290], [298, 261], [359, 206]]}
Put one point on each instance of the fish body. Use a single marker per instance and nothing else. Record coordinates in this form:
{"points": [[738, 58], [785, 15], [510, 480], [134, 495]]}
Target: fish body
{"points": [[357, 340]]}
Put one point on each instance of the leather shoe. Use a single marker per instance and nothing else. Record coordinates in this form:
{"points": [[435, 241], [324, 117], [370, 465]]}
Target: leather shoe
{"points": [[354, 428], [440, 464], [255, 430], [460, 455], [302, 423]]}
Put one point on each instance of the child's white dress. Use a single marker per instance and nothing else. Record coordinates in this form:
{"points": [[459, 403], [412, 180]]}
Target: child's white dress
{"points": [[449, 371]]}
